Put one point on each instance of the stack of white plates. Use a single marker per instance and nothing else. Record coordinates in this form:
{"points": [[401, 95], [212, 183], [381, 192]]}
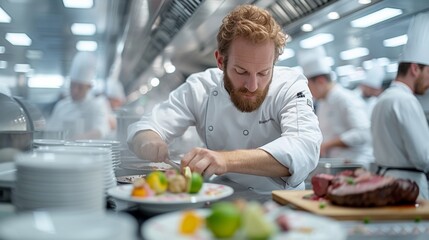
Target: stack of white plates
{"points": [[48, 142], [40, 225], [58, 181], [114, 146], [95, 153]]}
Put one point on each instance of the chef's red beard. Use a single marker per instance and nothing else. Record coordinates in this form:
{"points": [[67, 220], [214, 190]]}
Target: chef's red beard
{"points": [[241, 103]]}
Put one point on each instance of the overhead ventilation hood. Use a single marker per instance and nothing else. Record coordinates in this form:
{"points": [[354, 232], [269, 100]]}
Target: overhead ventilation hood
{"points": [[189, 27], [151, 27]]}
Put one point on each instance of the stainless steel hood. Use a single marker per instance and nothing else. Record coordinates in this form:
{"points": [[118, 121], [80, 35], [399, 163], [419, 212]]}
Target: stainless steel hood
{"points": [[184, 32]]}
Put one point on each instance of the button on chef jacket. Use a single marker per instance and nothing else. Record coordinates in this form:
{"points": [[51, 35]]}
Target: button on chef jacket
{"points": [[78, 117], [401, 134], [342, 114], [284, 125]]}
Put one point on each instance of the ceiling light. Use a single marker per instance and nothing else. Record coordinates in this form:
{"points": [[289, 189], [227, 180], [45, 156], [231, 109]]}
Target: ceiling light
{"points": [[316, 40], [376, 17], [86, 29], [307, 27], [287, 53], [345, 70], [169, 67], [46, 81], [143, 89], [154, 82], [395, 41], [3, 64], [34, 54], [4, 17], [2, 49], [364, 2], [333, 15], [18, 39], [354, 53], [86, 46], [78, 3], [21, 68]]}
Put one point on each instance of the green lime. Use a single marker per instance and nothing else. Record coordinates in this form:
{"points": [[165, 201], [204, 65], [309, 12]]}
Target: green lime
{"points": [[194, 180], [224, 220]]}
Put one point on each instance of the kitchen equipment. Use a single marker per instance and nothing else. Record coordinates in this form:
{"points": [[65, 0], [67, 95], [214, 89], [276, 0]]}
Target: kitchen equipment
{"points": [[296, 198], [16, 127]]}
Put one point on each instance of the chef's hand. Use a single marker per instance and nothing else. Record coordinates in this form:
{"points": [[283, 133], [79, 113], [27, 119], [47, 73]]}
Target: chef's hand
{"points": [[205, 161], [148, 145]]}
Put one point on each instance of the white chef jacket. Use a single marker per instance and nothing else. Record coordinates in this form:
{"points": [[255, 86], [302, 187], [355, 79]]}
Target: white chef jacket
{"points": [[284, 125], [78, 117], [343, 114], [400, 134]]}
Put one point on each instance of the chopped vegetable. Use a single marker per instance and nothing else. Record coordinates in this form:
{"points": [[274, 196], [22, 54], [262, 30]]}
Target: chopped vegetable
{"points": [[190, 223]]}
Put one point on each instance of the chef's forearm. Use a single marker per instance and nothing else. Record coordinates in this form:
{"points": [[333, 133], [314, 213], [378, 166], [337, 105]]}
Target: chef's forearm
{"points": [[256, 162]]}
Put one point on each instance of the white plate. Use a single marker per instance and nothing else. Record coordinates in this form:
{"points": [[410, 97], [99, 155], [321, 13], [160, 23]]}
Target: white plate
{"points": [[303, 226], [68, 225], [49, 142], [168, 202]]}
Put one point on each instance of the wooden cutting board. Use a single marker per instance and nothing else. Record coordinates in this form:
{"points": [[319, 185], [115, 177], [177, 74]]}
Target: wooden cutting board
{"points": [[296, 199]]}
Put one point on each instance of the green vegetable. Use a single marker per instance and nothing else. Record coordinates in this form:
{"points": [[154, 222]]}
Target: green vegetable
{"points": [[418, 219], [350, 181], [366, 220]]}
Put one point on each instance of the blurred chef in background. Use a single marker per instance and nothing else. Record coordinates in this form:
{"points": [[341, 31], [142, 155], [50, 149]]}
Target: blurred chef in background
{"points": [[343, 119], [256, 120], [115, 99], [372, 86], [79, 115], [398, 125]]}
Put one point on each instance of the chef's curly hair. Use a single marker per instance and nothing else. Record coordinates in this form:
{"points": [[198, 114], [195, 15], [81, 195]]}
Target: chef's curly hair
{"points": [[253, 23]]}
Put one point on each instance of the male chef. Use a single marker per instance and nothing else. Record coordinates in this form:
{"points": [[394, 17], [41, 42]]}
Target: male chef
{"points": [[80, 115], [398, 125], [343, 119], [256, 120]]}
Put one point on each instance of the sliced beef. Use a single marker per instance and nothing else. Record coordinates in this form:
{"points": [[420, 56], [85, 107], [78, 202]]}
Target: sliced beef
{"points": [[363, 189], [321, 183]]}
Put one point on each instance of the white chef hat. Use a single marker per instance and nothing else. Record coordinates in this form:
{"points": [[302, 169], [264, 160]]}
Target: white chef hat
{"points": [[374, 76], [417, 49], [316, 67], [83, 68], [115, 90]]}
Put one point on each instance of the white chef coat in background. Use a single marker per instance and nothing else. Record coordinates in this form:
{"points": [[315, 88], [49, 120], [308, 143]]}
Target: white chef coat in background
{"points": [[78, 117], [401, 135], [284, 125], [343, 114]]}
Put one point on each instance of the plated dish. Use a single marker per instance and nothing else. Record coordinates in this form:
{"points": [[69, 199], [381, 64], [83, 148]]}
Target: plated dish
{"points": [[168, 202], [303, 226]]}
